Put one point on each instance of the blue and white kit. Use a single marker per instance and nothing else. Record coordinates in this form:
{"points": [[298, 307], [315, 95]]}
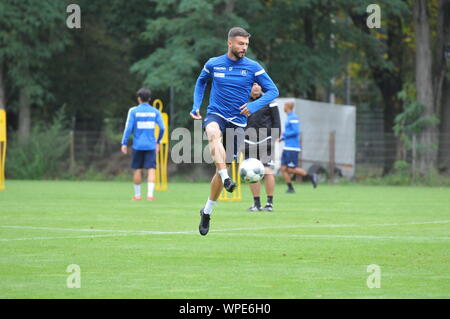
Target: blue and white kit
{"points": [[291, 135], [232, 82], [141, 121]]}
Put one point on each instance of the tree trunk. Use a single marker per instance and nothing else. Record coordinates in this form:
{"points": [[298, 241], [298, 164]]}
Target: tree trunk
{"points": [[229, 6], [444, 142], [388, 80], [440, 63], [443, 85], [309, 40], [428, 138], [24, 117], [2, 89]]}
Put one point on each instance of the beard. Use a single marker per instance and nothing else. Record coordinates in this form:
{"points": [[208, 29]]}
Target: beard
{"points": [[238, 55]]}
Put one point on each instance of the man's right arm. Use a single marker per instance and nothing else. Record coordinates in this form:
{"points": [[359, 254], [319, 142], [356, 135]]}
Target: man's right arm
{"points": [[292, 128], [200, 86], [276, 122], [128, 127]]}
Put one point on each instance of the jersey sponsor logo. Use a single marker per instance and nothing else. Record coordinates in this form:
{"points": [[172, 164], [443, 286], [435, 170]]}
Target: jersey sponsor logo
{"points": [[145, 114], [220, 68], [293, 121], [243, 72], [219, 75], [145, 125]]}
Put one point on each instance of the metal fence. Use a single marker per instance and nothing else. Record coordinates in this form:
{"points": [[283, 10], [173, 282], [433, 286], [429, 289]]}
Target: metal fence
{"points": [[374, 153]]}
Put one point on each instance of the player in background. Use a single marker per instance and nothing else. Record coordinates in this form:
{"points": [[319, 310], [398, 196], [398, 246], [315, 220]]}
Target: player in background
{"points": [[141, 121], [289, 157], [232, 76], [266, 125]]}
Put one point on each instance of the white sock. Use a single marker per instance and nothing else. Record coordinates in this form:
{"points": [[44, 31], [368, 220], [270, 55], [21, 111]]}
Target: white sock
{"points": [[223, 174], [209, 206], [137, 190], [151, 187]]}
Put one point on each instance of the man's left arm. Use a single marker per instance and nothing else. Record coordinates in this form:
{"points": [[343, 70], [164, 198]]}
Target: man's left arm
{"points": [[160, 123], [269, 88]]}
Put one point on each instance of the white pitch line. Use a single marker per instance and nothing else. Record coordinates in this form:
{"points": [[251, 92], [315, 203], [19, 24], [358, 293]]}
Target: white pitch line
{"points": [[66, 237], [154, 232], [150, 232], [116, 233], [342, 236], [310, 236]]}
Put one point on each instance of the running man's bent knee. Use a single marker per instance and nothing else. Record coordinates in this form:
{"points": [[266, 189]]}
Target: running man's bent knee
{"points": [[213, 131]]}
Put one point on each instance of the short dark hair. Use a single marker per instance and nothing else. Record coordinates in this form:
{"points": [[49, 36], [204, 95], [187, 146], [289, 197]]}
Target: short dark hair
{"points": [[238, 32], [144, 94]]}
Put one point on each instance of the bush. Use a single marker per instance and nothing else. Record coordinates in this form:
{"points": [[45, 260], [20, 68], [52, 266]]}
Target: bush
{"points": [[44, 155], [402, 176]]}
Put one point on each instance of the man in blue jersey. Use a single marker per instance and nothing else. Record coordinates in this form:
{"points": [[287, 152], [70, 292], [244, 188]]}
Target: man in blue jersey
{"points": [[289, 157], [232, 76], [141, 121]]}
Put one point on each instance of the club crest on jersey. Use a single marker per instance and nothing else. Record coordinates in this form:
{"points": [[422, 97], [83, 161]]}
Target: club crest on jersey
{"points": [[243, 72], [230, 68]]}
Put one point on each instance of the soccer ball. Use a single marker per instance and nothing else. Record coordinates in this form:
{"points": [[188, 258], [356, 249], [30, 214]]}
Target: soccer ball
{"points": [[251, 170]]}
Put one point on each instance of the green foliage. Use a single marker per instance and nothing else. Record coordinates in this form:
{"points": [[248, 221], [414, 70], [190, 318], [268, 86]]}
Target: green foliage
{"points": [[96, 81], [43, 155], [402, 176], [189, 33], [411, 121], [30, 34]]}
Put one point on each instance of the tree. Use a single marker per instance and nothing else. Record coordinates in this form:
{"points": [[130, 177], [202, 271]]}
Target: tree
{"points": [[189, 32], [384, 52], [31, 32], [91, 76], [294, 40], [424, 85], [442, 83], [2, 88]]}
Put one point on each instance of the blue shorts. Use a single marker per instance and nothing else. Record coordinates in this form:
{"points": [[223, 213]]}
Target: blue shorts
{"points": [[143, 159], [289, 158], [235, 133]]}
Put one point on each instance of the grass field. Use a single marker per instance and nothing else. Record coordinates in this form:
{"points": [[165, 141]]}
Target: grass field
{"points": [[318, 243]]}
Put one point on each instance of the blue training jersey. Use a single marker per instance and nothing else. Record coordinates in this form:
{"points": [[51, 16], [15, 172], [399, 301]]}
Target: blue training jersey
{"points": [[232, 82], [141, 121], [291, 135]]}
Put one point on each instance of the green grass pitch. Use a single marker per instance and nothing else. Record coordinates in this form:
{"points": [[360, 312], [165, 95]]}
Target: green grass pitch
{"points": [[318, 243]]}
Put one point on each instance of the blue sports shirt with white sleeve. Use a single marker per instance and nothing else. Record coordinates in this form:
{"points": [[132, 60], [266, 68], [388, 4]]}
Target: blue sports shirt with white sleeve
{"points": [[291, 135], [232, 82], [141, 121]]}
